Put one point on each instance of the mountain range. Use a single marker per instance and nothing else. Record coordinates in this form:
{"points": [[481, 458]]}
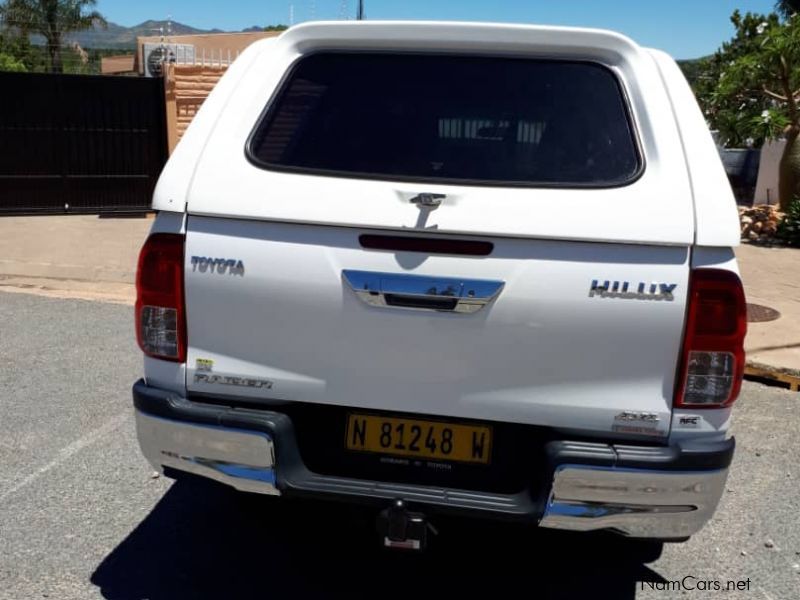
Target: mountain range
{"points": [[119, 37]]}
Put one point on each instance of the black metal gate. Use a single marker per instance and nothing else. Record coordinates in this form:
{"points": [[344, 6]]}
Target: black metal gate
{"points": [[80, 143]]}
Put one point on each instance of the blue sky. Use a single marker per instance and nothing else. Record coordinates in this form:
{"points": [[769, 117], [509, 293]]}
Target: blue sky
{"points": [[684, 28]]}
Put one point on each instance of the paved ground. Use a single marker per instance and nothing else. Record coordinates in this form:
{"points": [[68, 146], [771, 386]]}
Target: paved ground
{"points": [[772, 278], [84, 247], [81, 517]]}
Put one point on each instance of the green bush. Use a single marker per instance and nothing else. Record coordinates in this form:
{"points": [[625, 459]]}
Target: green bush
{"points": [[789, 229], [9, 63]]}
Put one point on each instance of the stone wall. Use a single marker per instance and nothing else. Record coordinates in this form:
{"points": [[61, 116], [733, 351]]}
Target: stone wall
{"points": [[760, 223]]}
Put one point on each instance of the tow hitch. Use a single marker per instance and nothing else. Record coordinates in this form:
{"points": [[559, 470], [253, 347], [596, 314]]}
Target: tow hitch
{"points": [[402, 529]]}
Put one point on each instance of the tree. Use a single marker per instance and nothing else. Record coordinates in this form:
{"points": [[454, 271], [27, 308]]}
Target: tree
{"points": [[728, 107], [750, 89], [10, 63], [15, 53], [693, 69], [51, 19], [788, 8]]}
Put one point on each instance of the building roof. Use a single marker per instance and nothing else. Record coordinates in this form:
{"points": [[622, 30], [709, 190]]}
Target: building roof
{"points": [[124, 63], [212, 47]]}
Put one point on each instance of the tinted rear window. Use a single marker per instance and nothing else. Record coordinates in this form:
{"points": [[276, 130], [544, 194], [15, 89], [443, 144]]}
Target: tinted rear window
{"points": [[448, 118]]}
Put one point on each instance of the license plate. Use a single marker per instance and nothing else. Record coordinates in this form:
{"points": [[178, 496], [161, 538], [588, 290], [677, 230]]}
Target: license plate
{"points": [[421, 439]]}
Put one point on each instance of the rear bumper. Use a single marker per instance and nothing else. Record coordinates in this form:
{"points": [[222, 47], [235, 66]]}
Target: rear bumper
{"points": [[648, 492], [641, 503]]}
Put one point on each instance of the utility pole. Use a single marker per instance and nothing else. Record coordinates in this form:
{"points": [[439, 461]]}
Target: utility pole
{"points": [[360, 13]]}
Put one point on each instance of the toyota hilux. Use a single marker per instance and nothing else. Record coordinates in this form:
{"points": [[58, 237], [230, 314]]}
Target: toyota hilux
{"points": [[448, 267]]}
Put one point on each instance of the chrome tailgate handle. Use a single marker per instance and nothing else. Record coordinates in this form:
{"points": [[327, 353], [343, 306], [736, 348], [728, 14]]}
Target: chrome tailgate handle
{"points": [[419, 292]]}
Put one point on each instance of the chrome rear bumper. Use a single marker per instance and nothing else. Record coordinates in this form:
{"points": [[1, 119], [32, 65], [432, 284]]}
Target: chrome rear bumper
{"points": [[643, 492], [244, 460], [635, 502]]}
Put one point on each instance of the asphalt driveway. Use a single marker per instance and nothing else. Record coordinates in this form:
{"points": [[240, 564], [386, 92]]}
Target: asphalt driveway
{"points": [[82, 517]]}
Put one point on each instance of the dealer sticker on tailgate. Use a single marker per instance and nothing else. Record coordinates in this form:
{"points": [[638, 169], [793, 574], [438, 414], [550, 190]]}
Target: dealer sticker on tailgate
{"points": [[415, 438]]}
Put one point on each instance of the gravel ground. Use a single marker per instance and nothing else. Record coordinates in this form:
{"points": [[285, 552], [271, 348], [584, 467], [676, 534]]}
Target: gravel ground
{"points": [[82, 517]]}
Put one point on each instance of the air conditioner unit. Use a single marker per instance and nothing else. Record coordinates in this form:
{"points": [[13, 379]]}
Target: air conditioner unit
{"points": [[155, 55]]}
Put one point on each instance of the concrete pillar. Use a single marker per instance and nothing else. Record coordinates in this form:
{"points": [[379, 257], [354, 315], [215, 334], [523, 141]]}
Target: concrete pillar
{"points": [[171, 106], [767, 182]]}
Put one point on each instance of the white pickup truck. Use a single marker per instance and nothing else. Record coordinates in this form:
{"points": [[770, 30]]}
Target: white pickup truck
{"points": [[432, 267]]}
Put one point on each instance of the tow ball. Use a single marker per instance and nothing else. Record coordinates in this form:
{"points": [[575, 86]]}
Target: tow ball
{"points": [[402, 529]]}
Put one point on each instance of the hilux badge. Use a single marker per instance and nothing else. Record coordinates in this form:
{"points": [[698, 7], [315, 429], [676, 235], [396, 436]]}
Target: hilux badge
{"points": [[623, 289]]}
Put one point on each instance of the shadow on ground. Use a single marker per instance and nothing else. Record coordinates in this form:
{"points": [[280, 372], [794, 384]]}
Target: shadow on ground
{"points": [[204, 541]]}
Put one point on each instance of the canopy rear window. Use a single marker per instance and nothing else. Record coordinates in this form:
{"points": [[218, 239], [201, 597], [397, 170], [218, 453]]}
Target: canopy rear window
{"points": [[456, 119]]}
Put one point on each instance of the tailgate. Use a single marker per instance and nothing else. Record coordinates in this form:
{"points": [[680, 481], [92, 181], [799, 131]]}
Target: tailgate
{"points": [[305, 313]]}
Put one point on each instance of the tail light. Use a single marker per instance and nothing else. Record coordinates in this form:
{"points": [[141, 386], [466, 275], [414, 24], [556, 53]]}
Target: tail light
{"points": [[160, 312], [712, 362]]}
